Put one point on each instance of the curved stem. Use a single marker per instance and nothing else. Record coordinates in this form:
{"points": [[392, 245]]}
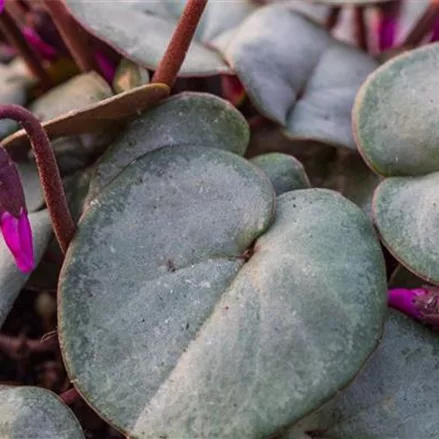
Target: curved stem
{"points": [[17, 40], [332, 18], [175, 54], [423, 26], [62, 221], [73, 35], [70, 396]]}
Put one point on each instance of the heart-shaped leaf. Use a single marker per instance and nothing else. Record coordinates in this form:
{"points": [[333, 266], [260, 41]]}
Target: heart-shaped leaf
{"points": [[394, 116], [142, 30], [406, 213], [101, 116], [11, 278], [186, 119], [32, 412], [285, 172], [297, 75], [156, 278], [395, 397]]}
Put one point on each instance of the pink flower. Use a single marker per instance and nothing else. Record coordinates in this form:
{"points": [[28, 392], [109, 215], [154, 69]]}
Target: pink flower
{"points": [[14, 222], [386, 33], [419, 303], [388, 24]]}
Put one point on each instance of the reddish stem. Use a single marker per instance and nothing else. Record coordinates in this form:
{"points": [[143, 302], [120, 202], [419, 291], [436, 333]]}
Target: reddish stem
{"points": [[62, 221], [73, 35], [175, 54], [424, 25], [70, 396], [332, 18], [16, 39], [360, 28], [20, 347]]}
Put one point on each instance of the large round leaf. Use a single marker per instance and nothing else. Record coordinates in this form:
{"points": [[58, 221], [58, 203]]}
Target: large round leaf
{"points": [[406, 212], [299, 76], [35, 413], [394, 118], [12, 279], [206, 344], [395, 397], [185, 119], [142, 30]]}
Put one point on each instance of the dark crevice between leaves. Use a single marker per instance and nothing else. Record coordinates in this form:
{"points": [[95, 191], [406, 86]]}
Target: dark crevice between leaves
{"points": [[249, 252]]}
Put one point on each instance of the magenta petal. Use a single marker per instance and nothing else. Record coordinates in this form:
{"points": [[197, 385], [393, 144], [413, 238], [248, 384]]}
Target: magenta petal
{"points": [[435, 34], [2, 5], [386, 33], [45, 50], [17, 234], [403, 300], [108, 70]]}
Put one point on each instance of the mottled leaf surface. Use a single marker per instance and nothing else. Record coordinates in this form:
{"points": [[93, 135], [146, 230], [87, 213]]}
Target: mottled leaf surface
{"points": [[299, 76], [395, 397], [406, 213], [142, 30], [208, 345], [32, 412], [394, 117], [186, 119]]}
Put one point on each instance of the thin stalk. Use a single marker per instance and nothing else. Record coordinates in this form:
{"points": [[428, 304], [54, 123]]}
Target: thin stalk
{"points": [[21, 346], [360, 28], [62, 221], [16, 39], [424, 25], [73, 35], [175, 54], [332, 18], [70, 396]]}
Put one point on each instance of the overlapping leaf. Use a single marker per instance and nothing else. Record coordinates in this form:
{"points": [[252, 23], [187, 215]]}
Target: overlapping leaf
{"points": [[32, 412], [298, 75]]}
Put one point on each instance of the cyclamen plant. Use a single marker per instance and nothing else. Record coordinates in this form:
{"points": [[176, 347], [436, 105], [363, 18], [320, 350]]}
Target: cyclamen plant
{"points": [[203, 282]]}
